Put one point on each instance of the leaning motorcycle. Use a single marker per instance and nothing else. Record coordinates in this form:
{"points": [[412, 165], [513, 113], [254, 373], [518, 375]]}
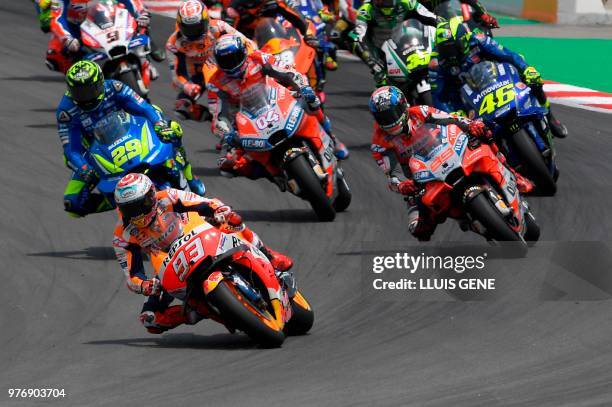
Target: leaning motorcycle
{"points": [[123, 144], [495, 93], [214, 269], [407, 54], [275, 131], [111, 39], [463, 179]]}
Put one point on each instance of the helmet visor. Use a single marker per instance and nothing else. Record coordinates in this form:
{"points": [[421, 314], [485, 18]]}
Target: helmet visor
{"points": [[87, 96], [231, 61], [389, 117], [384, 3], [194, 30], [139, 211], [450, 51]]}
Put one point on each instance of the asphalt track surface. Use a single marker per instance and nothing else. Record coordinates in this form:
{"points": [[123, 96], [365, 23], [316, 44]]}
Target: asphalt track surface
{"points": [[67, 320]]}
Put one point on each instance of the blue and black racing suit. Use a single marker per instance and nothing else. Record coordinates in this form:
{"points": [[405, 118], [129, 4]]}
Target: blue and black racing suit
{"points": [[75, 127]]}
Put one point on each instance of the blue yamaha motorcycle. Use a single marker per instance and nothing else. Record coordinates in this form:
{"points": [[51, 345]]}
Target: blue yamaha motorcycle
{"points": [[495, 93]]}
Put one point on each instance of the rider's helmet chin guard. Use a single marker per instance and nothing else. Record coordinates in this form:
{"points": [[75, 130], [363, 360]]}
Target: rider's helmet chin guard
{"points": [[85, 82], [452, 41], [388, 105], [135, 196], [386, 7], [192, 20], [231, 54]]}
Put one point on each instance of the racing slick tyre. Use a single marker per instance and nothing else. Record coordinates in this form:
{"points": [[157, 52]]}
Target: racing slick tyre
{"points": [[532, 232], [310, 187], [129, 78], [533, 163], [425, 98], [302, 316], [343, 200], [239, 312], [482, 209]]}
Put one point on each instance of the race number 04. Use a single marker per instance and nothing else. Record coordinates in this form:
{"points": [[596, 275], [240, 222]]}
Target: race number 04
{"points": [[266, 119], [188, 255]]}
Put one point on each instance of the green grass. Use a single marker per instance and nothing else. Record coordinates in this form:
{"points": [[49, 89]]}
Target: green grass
{"points": [[508, 20], [580, 62]]}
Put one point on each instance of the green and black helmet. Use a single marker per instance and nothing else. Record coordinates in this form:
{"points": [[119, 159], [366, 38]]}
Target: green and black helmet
{"points": [[452, 40], [85, 84]]}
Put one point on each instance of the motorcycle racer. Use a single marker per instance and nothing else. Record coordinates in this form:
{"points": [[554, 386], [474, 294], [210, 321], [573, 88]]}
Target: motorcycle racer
{"points": [[245, 14], [457, 50], [480, 12], [375, 22], [239, 70], [191, 45], [143, 227], [66, 18], [393, 142], [88, 101], [43, 12]]}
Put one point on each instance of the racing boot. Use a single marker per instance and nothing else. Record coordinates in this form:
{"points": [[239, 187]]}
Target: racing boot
{"points": [[161, 321], [557, 128], [330, 63], [279, 261], [158, 54], [189, 110], [340, 150], [196, 186]]}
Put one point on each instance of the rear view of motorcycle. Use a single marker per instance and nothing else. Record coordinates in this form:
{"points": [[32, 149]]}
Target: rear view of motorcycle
{"points": [[110, 35]]}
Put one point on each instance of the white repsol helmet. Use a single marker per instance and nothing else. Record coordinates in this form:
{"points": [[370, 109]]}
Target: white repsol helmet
{"points": [[136, 199]]}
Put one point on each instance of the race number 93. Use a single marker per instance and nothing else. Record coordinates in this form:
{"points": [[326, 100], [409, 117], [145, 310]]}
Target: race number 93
{"points": [[497, 99], [124, 152], [189, 254]]}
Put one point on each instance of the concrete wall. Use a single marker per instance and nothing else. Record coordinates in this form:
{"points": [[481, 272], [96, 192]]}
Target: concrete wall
{"points": [[509, 7], [584, 12], [556, 11]]}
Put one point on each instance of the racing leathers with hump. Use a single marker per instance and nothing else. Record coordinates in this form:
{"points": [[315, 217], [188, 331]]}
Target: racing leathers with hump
{"points": [[143, 228], [66, 19], [480, 12], [43, 12], [375, 22], [393, 142], [245, 14], [239, 70], [457, 50], [90, 99], [191, 46]]}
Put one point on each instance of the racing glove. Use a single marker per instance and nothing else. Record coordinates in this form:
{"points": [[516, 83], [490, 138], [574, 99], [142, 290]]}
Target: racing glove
{"points": [[489, 20], [532, 76], [143, 20], [192, 90], [72, 44], [477, 128], [168, 132], [310, 98], [408, 187], [87, 174], [225, 214], [150, 287]]}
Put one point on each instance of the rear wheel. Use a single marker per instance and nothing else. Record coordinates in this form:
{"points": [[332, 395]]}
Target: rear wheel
{"points": [[482, 209], [534, 166], [240, 313], [532, 232], [302, 317], [311, 189], [130, 79]]}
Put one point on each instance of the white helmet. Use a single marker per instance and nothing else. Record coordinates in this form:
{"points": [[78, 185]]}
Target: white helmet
{"points": [[136, 199]]}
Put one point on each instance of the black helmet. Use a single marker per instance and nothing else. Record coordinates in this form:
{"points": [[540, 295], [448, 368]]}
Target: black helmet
{"points": [[85, 84]]}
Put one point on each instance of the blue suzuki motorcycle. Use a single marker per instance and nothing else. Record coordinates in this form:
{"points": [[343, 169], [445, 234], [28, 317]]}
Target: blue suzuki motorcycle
{"points": [[122, 144], [495, 93]]}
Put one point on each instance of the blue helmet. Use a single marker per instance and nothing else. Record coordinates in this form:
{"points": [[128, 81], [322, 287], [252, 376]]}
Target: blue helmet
{"points": [[230, 55], [388, 105]]}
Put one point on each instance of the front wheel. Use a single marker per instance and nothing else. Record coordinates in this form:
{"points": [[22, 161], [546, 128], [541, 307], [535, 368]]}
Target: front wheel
{"points": [[302, 316], [343, 200], [130, 78], [534, 166], [482, 210], [238, 311], [311, 189]]}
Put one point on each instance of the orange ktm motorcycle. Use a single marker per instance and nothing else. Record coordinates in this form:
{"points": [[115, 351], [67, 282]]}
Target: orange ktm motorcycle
{"points": [[215, 270]]}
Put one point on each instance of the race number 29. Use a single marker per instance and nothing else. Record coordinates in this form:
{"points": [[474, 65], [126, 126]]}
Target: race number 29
{"points": [[189, 254]]}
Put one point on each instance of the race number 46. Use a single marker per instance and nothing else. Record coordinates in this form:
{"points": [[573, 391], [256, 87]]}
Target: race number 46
{"points": [[500, 98], [266, 119]]}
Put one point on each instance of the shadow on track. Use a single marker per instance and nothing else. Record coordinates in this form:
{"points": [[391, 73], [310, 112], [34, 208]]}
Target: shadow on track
{"points": [[185, 340], [285, 215], [35, 78], [90, 253]]}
